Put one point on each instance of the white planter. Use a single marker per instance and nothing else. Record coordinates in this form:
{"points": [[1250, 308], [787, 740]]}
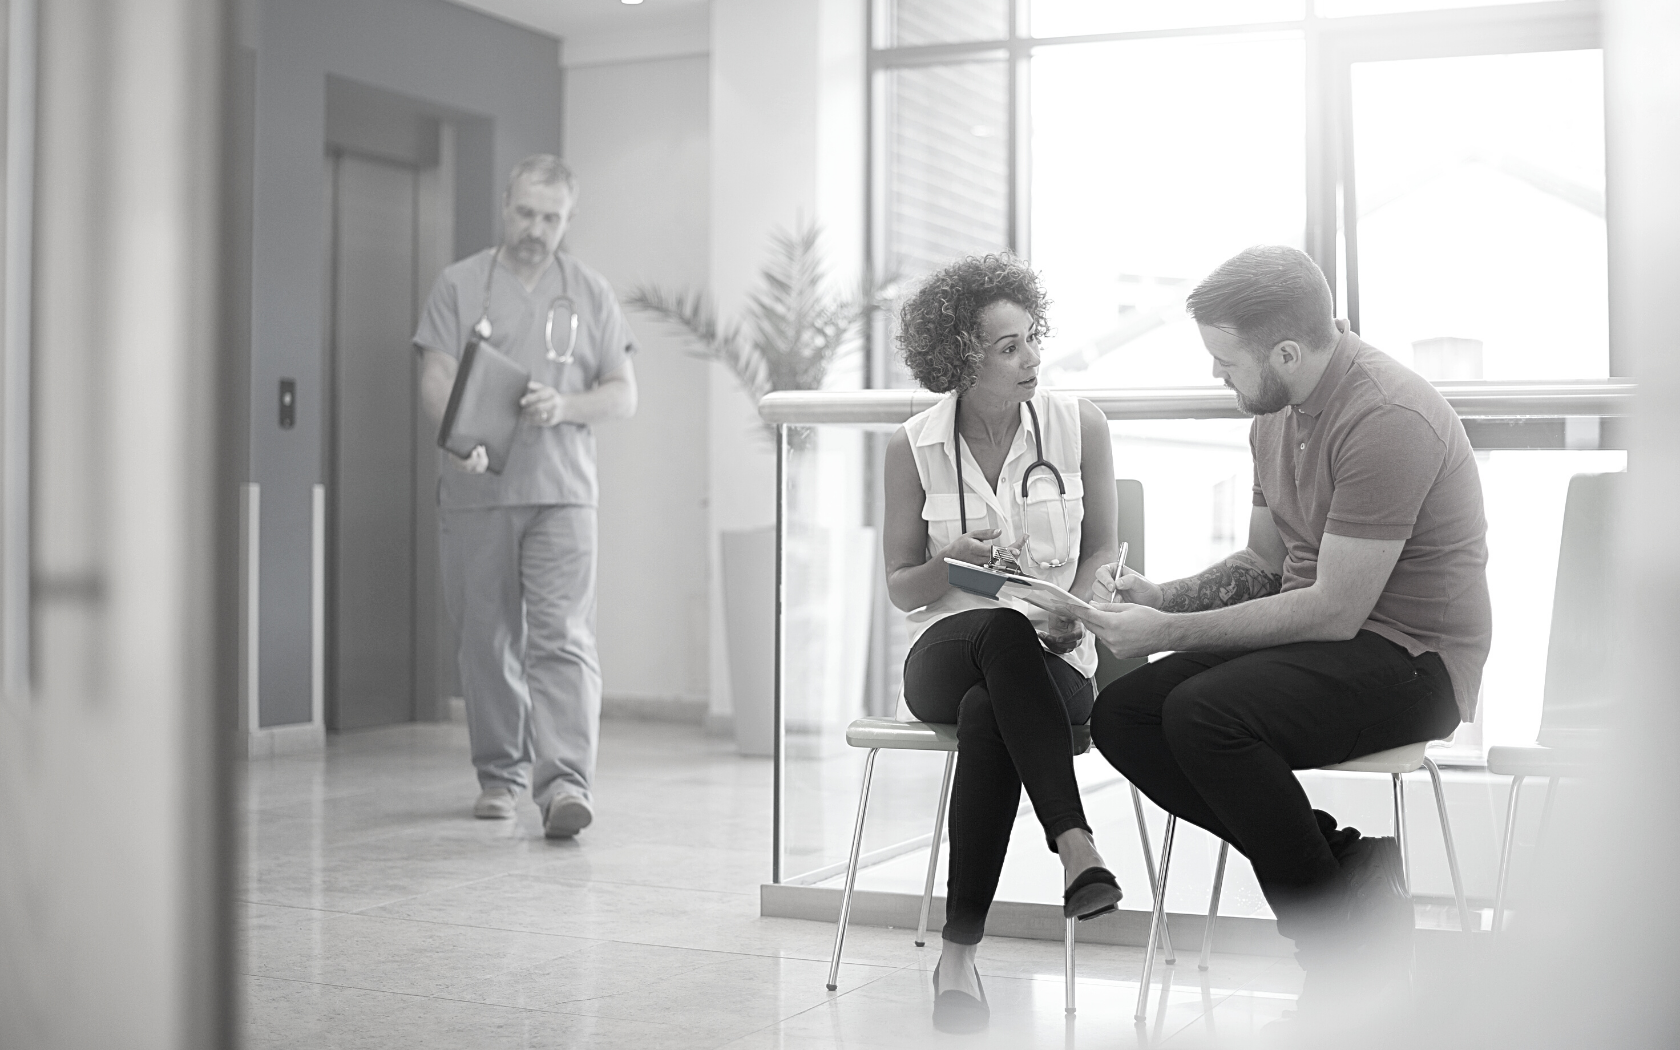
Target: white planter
{"points": [[831, 585], [749, 611]]}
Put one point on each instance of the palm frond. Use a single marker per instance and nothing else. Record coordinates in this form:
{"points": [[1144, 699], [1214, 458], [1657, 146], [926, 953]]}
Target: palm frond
{"points": [[693, 311], [784, 314], [794, 327]]}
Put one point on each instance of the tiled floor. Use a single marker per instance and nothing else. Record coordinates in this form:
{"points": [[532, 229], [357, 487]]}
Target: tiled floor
{"points": [[380, 914]]}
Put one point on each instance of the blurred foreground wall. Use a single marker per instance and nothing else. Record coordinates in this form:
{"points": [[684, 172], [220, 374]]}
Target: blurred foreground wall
{"points": [[114, 811]]}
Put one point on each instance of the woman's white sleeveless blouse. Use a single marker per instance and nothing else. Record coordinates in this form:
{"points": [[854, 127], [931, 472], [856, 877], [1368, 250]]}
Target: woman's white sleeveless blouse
{"points": [[1039, 515]]}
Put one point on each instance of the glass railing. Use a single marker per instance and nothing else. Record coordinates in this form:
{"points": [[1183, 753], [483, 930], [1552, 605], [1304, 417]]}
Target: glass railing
{"points": [[839, 645]]}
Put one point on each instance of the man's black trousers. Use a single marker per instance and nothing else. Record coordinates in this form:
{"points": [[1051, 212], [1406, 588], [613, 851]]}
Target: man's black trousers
{"points": [[1215, 738]]}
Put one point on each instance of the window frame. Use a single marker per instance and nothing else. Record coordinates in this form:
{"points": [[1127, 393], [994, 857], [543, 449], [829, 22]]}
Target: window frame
{"points": [[1332, 45]]}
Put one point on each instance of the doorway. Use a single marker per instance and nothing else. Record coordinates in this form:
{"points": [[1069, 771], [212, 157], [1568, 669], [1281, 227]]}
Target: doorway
{"points": [[390, 234]]}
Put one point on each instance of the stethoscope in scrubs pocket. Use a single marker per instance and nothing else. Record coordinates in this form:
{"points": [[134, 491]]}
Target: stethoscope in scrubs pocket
{"points": [[560, 305], [1060, 540]]}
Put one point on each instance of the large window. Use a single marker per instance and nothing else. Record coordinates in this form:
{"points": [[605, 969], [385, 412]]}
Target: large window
{"points": [[1442, 160], [1480, 241], [1152, 161]]}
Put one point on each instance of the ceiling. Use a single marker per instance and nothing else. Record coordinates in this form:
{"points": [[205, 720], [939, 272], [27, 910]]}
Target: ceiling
{"points": [[570, 18]]}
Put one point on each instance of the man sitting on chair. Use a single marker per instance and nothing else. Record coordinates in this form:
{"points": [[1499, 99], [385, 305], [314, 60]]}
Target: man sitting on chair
{"points": [[1356, 619]]}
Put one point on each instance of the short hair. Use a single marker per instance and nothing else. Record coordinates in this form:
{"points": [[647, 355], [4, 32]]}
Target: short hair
{"points": [[938, 333], [544, 169], [1265, 295]]}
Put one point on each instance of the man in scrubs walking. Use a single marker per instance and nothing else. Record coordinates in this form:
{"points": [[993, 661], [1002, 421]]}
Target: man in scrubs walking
{"points": [[518, 549]]}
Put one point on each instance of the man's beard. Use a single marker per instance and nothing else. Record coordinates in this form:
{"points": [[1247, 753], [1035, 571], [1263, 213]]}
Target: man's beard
{"points": [[530, 249], [1273, 395]]}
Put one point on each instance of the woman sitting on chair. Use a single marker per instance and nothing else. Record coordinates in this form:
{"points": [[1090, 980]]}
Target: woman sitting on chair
{"points": [[1035, 475]]}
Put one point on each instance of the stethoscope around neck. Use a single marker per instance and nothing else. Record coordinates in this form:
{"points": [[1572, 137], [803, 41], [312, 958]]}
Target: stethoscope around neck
{"points": [[1026, 476], [483, 329]]}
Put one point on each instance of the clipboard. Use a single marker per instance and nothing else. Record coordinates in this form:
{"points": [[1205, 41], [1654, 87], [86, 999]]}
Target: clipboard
{"points": [[483, 405], [990, 583]]}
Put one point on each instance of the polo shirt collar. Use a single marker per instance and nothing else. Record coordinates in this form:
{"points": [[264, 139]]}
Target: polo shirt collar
{"points": [[1341, 362]]}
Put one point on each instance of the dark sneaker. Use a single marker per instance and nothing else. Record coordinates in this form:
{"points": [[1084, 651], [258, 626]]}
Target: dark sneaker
{"points": [[1379, 905], [1342, 1000]]}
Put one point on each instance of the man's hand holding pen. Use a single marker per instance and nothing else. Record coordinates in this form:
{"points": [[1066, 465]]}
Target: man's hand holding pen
{"points": [[1128, 623]]}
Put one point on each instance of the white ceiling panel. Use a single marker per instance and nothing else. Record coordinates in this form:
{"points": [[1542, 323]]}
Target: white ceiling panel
{"points": [[569, 18]]}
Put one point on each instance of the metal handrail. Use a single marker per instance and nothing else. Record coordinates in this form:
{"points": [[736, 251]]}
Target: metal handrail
{"points": [[1487, 399]]}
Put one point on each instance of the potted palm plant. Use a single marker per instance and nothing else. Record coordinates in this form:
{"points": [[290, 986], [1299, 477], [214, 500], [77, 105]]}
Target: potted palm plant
{"points": [[794, 329]]}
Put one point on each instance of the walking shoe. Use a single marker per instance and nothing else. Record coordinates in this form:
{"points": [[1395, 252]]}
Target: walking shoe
{"points": [[566, 814], [495, 803]]}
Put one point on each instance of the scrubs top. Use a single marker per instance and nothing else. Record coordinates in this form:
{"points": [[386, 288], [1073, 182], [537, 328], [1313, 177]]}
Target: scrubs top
{"points": [[548, 465]]}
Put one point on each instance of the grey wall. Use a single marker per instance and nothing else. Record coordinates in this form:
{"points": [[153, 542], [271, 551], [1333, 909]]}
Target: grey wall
{"points": [[429, 50]]}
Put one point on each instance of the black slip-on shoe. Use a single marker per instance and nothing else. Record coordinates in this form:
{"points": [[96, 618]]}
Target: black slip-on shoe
{"points": [[1092, 892], [959, 1013]]}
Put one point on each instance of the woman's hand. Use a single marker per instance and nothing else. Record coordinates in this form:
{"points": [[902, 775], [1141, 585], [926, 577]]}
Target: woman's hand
{"points": [[1062, 635], [1134, 588], [975, 547]]}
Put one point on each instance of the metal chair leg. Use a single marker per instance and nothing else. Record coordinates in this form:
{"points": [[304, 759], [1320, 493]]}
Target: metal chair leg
{"points": [[1213, 904], [1156, 920], [1505, 853], [1400, 835], [1067, 965], [1452, 851], [851, 872], [1149, 866], [933, 850], [1546, 811]]}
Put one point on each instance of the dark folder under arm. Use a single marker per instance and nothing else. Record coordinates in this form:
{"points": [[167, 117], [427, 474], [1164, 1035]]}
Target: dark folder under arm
{"points": [[483, 405]]}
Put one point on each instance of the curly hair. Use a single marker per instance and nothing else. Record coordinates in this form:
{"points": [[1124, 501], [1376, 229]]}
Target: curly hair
{"points": [[938, 333]]}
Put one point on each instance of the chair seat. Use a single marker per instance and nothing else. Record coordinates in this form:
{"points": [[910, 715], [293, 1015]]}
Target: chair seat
{"points": [[892, 734], [1536, 761], [1395, 760]]}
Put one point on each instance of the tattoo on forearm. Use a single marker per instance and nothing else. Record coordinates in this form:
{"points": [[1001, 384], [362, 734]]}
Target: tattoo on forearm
{"points": [[1228, 583]]}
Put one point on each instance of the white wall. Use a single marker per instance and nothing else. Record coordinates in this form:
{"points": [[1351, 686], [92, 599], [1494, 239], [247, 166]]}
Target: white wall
{"points": [[687, 164], [637, 135], [787, 98]]}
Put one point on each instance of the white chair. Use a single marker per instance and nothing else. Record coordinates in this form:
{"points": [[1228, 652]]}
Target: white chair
{"points": [[1579, 663], [1520, 763], [879, 734], [1396, 762]]}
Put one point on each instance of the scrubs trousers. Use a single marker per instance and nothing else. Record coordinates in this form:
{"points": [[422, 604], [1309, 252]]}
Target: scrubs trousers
{"points": [[519, 583]]}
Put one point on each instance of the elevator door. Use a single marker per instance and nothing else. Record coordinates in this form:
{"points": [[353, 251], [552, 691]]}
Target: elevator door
{"points": [[372, 562]]}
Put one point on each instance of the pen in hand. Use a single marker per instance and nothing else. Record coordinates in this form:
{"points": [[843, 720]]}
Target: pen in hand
{"points": [[1119, 570]]}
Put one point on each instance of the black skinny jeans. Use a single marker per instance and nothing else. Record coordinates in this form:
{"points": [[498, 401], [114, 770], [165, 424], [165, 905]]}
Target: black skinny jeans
{"points": [[1012, 703], [1215, 738]]}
